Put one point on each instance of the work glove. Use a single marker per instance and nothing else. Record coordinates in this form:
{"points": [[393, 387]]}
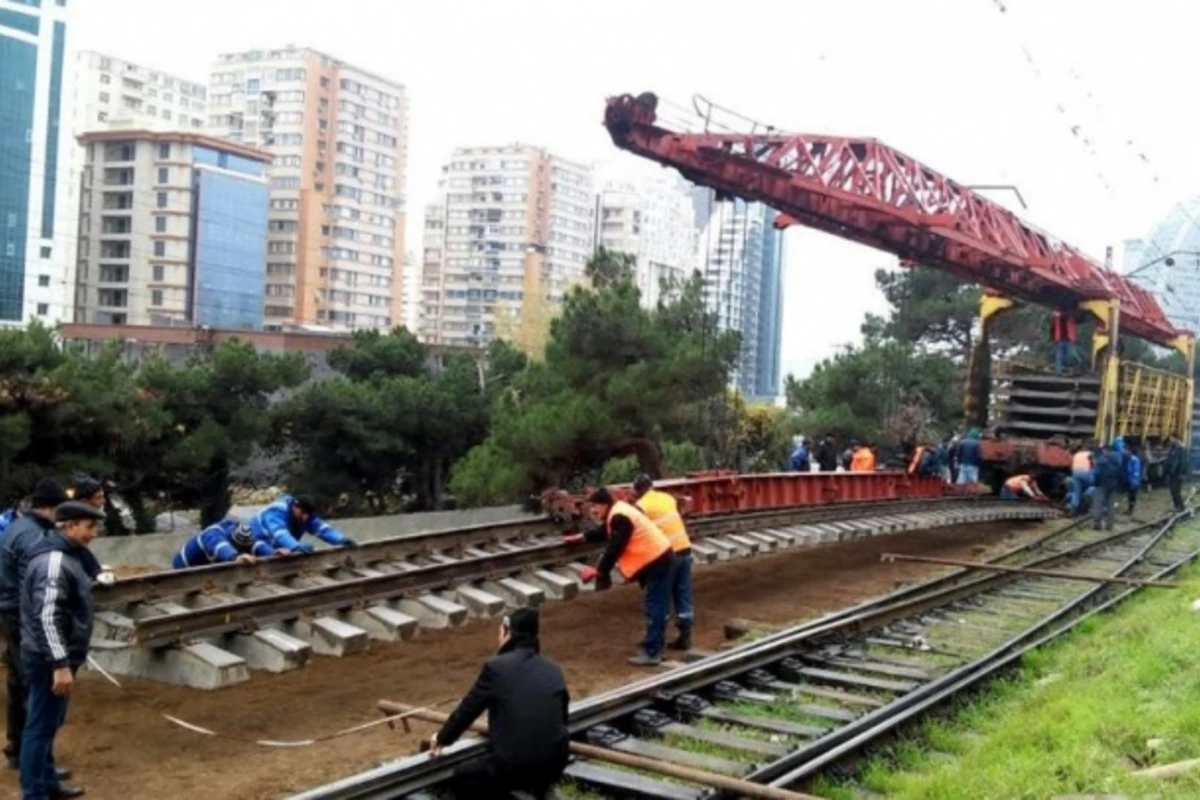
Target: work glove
{"points": [[588, 574], [573, 538], [348, 542]]}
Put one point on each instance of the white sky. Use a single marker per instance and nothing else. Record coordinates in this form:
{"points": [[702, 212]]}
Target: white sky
{"points": [[945, 81]]}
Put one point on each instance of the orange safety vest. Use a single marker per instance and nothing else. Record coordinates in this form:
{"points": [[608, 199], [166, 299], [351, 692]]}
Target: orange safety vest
{"points": [[1017, 483], [645, 545], [663, 511], [1082, 461], [915, 463], [863, 460]]}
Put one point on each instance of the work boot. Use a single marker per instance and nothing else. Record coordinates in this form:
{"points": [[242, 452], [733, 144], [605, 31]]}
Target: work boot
{"points": [[644, 659], [684, 642], [62, 773], [66, 790]]}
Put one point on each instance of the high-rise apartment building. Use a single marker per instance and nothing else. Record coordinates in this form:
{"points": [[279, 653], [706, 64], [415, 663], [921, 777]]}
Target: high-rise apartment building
{"points": [[647, 212], [510, 234], [110, 92], [172, 230], [339, 137], [741, 257], [36, 220], [1167, 262]]}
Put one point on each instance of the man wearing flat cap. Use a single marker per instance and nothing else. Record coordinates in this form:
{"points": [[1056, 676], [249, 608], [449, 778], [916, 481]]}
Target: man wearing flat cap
{"points": [[526, 698], [56, 630]]}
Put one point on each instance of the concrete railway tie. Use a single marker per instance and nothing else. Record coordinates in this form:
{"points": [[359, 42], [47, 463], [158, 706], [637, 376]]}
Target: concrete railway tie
{"points": [[212, 636]]}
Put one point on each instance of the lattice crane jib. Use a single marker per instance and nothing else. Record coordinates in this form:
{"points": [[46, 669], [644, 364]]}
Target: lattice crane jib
{"points": [[866, 192]]}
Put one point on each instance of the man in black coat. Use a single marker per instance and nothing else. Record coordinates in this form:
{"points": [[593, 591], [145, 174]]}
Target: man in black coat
{"points": [[525, 696], [15, 545], [1175, 467]]}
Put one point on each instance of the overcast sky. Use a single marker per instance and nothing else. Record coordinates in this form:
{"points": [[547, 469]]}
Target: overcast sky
{"points": [[946, 81]]}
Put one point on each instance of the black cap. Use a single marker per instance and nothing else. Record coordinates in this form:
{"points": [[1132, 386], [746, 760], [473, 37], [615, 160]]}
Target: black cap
{"points": [[642, 483], [85, 486], [601, 497], [305, 503], [522, 622], [75, 510], [47, 493]]}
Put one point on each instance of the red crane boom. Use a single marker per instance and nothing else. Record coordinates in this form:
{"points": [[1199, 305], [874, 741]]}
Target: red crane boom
{"points": [[867, 192]]}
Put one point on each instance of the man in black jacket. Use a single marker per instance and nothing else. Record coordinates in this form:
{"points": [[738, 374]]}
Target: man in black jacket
{"points": [[27, 531], [525, 696], [56, 630], [1174, 469], [827, 454]]}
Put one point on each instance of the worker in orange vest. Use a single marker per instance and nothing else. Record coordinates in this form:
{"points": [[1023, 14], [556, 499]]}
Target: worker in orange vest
{"points": [[863, 459], [642, 553], [1063, 333], [1023, 485], [663, 511]]}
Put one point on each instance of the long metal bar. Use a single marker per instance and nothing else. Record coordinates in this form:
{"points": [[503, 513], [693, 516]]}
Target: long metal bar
{"points": [[1047, 573], [703, 777]]}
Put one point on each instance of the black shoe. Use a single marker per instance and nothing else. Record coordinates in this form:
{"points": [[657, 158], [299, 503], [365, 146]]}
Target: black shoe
{"points": [[684, 642], [62, 773], [14, 762], [65, 790]]}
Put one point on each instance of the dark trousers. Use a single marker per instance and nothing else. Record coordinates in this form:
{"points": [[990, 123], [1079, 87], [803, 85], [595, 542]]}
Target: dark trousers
{"points": [[1133, 496], [10, 629], [483, 779], [656, 601], [46, 714], [681, 590], [1102, 507], [1175, 484]]}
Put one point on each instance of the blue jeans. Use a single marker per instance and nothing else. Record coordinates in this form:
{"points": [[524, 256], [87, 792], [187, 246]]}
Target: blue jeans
{"points": [[681, 590], [968, 473], [1081, 481], [46, 712], [1008, 494], [656, 600]]}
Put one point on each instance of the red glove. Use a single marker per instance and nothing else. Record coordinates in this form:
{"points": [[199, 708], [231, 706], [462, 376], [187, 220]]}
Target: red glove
{"points": [[588, 574], [573, 538]]}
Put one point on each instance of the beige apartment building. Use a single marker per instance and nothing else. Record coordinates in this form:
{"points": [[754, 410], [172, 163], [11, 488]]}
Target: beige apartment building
{"points": [[339, 137], [110, 92], [509, 235]]}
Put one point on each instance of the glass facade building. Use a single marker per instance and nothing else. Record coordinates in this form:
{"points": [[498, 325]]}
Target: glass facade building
{"points": [[230, 249], [35, 229]]}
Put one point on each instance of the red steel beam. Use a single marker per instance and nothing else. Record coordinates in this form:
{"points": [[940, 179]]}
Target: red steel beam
{"points": [[866, 192]]}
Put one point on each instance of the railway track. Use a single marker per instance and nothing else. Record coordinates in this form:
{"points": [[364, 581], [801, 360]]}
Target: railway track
{"points": [[209, 627], [778, 710]]}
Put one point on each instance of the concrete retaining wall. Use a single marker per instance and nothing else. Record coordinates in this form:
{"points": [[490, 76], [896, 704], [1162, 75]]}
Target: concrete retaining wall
{"points": [[159, 548]]}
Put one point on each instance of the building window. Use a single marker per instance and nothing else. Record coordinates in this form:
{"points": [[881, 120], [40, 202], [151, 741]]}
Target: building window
{"points": [[160, 249], [158, 271], [164, 150], [105, 79], [156, 297], [43, 309], [161, 199], [105, 96], [166, 113], [45, 251], [160, 224], [164, 175], [43, 281], [101, 116]]}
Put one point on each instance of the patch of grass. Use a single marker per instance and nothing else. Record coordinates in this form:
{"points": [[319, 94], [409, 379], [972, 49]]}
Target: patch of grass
{"points": [[1073, 718]]}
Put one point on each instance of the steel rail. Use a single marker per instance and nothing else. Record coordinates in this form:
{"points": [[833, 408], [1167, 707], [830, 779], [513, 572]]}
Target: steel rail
{"points": [[818, 755], [357, 592], [419, 772], [171, 583]]}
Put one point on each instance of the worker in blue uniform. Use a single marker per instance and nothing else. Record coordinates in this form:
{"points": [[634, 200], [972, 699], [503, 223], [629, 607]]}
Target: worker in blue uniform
{"points": [[227, 540], [284, 522], [7, 517]]}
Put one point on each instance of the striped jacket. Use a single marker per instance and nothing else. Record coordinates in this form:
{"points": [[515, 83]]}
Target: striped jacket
{"points": [[56, 603]]}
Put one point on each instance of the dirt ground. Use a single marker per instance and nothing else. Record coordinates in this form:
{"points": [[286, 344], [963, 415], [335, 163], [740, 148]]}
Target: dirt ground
{"points": [[122, 750]]}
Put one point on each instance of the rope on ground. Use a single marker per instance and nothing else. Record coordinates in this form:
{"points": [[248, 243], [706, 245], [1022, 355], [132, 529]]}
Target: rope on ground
{"points": [[188, 726]]}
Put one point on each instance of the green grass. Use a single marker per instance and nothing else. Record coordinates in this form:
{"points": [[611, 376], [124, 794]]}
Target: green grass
{"points": [[1075, 718]]}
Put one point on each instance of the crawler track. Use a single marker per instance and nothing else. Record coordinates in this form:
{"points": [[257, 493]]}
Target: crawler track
{"points": [[207, 627], [781, 709]]}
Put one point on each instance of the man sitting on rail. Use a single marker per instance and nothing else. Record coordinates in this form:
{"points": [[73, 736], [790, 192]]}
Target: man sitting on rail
{"points": [[1023, 485], [225, 541], [284, 522], [526, 698], [641, 552]]}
